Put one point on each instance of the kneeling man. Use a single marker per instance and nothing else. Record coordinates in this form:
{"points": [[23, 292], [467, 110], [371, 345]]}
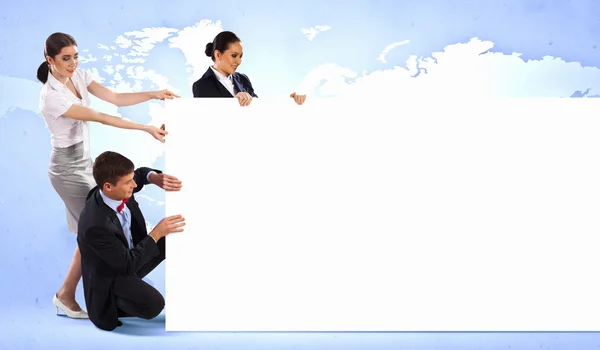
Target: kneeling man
{"points": [[116, 250]]}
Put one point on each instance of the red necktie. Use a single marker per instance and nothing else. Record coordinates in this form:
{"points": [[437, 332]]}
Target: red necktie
{"points": [[122, 205]]}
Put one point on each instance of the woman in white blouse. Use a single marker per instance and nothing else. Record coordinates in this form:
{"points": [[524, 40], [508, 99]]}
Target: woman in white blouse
{"points": [[64, 105]]}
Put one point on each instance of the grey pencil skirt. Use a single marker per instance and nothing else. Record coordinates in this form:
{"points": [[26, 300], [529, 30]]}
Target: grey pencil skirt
{"points": [[70, 172]]}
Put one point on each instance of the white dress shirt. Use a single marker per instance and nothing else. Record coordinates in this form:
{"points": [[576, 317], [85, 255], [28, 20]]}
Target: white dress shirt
{"points": [[124, 216], [55, 100], [227, 82]]}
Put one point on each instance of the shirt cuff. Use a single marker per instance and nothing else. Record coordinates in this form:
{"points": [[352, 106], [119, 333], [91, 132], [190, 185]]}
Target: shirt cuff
{"points": [[148, 176]]}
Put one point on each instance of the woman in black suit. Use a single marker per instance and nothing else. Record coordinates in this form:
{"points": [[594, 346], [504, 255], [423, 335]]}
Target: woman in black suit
{"points": [[222, 79]]}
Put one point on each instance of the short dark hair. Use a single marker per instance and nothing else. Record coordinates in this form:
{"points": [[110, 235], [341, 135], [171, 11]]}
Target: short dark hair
{"points": [[54, 44], [221, 43], [110, 167]]}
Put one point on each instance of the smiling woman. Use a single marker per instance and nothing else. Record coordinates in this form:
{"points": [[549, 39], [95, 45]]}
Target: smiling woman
{"points": [[222, 78], [64, 105]]}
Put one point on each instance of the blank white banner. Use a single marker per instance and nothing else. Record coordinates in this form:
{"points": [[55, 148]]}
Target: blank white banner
{"points": [[384, 216]]}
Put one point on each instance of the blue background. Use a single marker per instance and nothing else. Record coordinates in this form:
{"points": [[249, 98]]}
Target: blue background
{"points": [[512, 48]]}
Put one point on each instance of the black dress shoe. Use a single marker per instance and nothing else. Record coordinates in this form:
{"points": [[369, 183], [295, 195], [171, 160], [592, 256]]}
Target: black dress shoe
{"points": [[119, 323]]}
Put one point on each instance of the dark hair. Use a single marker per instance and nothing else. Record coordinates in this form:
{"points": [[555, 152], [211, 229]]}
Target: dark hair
{"points": [[110, 167], [221, 43], [54, 44]]}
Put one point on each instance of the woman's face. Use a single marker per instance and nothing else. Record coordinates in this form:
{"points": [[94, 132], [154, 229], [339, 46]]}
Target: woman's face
{"points": [[65, 62], [229, 60]]}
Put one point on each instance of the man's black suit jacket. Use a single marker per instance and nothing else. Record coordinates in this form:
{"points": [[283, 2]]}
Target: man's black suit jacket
{"points": [[210, 86], [105, 253]]}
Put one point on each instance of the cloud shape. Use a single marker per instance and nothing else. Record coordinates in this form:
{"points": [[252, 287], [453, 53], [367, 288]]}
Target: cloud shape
{"points": [[463, 70], [192, 42], [388, 48], [121, 69], [312, 32]]}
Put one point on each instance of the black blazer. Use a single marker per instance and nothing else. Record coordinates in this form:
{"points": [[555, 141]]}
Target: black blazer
{"points": [[105, 253], [209, 86]]}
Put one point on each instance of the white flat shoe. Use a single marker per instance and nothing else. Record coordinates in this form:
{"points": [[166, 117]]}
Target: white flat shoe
{"points": [[70, 313]]}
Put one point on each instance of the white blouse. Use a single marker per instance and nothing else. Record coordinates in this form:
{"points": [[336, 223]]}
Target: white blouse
{"points": [[55, 100], [227, 82]]}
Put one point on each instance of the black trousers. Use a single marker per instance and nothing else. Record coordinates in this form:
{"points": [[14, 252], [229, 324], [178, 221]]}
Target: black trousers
{"points": [[136, 298]]}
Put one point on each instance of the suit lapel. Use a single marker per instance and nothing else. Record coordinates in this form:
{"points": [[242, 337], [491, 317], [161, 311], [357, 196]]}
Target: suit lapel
{"points": [[115, 220], [138, 224], [222, 89], [112, 217]]}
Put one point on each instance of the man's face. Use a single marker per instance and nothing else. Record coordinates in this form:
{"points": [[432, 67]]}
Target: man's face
{"points": [[122, 189]]}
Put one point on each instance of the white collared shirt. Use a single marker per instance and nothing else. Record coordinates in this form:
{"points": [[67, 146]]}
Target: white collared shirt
{"points": [[227, 82], [55, 100], [124, 217]]}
